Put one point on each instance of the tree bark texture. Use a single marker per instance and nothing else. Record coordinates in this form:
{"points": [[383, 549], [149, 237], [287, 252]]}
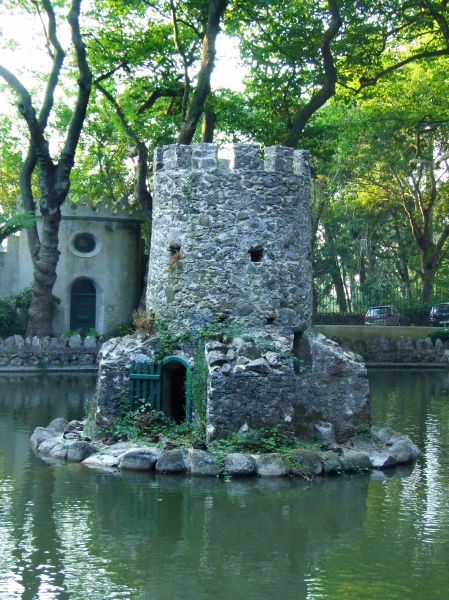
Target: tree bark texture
{"points": [[208, 125], [202, 88]]}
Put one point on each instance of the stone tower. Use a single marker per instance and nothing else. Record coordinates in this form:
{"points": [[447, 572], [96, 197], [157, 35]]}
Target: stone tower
{"points": [[231, 242], [230, 253]]}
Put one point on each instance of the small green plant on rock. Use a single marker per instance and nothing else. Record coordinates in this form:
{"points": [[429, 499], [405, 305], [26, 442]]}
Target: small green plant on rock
{"points": [[93, 333], [265, 440], [144, 322], [149, 425]]}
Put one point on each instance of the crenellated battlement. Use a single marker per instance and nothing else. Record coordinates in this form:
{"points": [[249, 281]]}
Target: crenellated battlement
{"points": [[103, 208], [242, 157]]}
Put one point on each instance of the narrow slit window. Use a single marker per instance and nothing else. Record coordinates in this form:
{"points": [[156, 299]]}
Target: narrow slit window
{"points": [[302, 353], [256, 253]]}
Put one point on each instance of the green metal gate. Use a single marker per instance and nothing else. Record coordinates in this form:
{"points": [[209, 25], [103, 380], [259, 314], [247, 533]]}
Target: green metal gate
{"points": [[145, 383]]}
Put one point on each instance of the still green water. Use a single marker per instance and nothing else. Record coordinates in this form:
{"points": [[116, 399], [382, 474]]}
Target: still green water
{"points": [[70, 532]]}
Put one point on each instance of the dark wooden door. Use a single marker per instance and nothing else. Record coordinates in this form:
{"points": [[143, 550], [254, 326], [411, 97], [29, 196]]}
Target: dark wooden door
{"points": [[83, 301]]}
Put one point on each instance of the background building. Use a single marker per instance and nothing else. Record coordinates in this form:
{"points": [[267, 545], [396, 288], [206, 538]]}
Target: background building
{"points": [[99, 273]]}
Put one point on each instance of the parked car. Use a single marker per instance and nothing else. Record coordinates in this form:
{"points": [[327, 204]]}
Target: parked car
{"points": [[439, 315], [382, 315]]}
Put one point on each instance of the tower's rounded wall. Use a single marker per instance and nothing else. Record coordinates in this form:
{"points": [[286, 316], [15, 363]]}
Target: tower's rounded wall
{"points": [[232, 243]]}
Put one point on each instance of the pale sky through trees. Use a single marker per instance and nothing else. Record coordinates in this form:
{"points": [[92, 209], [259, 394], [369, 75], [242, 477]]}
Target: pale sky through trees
{"points": [[25, 53]]}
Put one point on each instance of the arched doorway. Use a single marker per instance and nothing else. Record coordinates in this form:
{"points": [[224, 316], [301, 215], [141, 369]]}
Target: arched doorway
{"points": [[83, 305], [175, 401]]}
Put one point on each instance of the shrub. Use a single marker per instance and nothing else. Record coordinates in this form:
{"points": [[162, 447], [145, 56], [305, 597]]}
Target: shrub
{"points": [[442, 335], [146, 423], [14, 313], [265, 440]]}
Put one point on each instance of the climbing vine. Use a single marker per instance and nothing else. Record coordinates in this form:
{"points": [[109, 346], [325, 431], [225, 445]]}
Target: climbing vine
{"points": [[199, 387]]}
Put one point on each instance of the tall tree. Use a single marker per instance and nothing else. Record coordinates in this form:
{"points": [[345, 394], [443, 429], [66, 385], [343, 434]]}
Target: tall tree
{"points": [[394, 150], [54, 173], [301, 52], [146, 73]]}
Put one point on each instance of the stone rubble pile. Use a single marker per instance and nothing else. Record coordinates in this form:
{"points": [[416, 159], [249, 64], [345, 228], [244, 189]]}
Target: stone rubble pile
{"points": [[378, 448], [18, 351]]}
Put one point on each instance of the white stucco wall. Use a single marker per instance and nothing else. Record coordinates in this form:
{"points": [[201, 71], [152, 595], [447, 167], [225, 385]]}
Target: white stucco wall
{"points": [[114, 267]]}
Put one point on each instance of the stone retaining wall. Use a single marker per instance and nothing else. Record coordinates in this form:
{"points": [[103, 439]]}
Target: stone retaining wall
{"points": [[17, 351], [397, 350]]}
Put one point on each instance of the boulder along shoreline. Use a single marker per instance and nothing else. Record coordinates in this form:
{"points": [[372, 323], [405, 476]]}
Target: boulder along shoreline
{"points": [[377, 448]]}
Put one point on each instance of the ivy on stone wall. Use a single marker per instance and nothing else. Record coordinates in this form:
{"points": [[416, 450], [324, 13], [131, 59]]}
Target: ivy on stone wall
{"points": [[199, 387]]}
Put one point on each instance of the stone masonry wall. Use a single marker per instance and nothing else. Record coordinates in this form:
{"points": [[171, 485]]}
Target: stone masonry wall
{"points": [[231, 243], [251, 383], [16, 351], [400, 350], [255, 384]]}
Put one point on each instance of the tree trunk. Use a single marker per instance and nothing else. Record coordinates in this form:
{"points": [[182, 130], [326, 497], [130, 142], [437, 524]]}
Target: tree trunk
{"points": [[202, 89], [402, 260], [45, 263], [362, 268], [327, 89], [427, 277], [339, 287], [208, 126], [334, 269]]}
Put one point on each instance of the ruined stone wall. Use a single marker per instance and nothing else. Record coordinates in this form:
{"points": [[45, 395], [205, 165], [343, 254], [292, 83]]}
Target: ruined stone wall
{"points": [[231, 242], [260, 383], [18, 351]]}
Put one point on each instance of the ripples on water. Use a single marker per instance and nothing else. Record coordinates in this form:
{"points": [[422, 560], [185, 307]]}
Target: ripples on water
{"points": [[71, 533]]}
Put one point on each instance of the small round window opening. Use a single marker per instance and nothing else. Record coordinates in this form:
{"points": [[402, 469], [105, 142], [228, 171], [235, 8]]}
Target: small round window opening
{"points": [[84, 243], [256, 253]]}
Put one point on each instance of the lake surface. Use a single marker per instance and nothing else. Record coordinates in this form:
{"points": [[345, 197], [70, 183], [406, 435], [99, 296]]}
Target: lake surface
{"points": [[70, 532]]}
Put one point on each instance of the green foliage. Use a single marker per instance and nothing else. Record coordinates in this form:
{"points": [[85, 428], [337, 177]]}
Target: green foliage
{"points": [[121, 330], [363, 429], [14, 223], [142, 423], [441, 334], [150, 425], [198, 385], [70, 332], [265, 440], [93, 333], [14, 313], [169, 341]]}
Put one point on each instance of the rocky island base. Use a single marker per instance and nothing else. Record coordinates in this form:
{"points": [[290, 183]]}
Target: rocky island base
{"points": [[372, 448]]}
